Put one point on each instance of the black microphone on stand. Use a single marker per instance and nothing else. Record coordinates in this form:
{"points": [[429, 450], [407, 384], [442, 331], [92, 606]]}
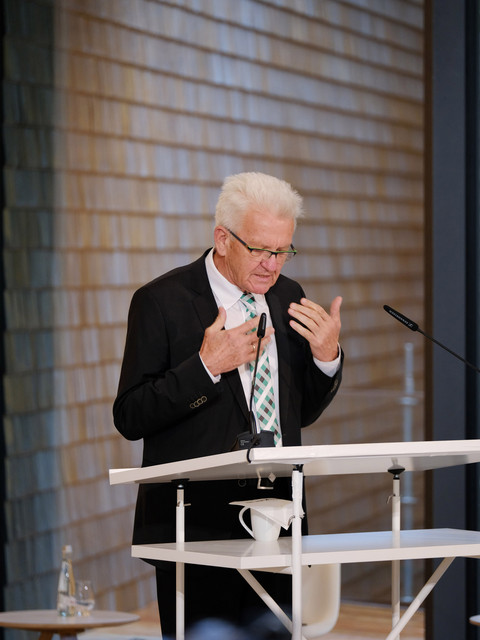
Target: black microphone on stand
{"points": [[414, 327], [254, 438]]}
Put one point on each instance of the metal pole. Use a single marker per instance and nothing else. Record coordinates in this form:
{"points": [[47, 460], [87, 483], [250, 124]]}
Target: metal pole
{"points": [[297, 488], [396, 470], [180, 567]]}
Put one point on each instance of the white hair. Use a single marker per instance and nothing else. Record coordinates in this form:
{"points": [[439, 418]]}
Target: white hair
{"points": [[258, 192]]}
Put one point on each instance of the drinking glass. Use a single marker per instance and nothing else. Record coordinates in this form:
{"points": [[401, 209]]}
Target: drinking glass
{"points": [[84, 597]]}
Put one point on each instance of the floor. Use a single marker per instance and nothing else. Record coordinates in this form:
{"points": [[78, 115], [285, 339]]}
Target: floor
{"points": [[356, 622]]}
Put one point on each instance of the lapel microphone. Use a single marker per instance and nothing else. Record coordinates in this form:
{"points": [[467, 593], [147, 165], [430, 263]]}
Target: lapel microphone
{"points": [[410, 324], [254, 438]]}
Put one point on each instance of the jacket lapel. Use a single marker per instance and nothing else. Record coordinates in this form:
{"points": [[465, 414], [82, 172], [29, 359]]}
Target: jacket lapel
{"points": [[206, 309]]}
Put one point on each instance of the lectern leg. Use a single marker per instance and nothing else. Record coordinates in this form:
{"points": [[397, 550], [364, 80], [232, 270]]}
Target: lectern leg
{"points": [[296, 625], [297, 489], [267, 599], [180, 567], [396, 471], [417, 602], [396, 587]]}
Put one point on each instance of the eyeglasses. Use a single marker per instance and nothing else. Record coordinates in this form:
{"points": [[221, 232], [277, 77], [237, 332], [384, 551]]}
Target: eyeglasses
{"points": [[265, 254]]}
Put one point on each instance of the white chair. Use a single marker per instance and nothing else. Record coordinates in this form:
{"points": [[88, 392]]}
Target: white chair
{"points": [[320, 599], [321, 585]]}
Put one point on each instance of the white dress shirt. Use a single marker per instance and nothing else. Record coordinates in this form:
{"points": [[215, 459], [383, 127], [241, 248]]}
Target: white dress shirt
{"points": [[227, 295]]}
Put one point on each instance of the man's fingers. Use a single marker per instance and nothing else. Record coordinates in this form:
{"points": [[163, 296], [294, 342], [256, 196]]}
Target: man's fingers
{"points": [[307, 309], [249, 326], [219, 321], [223, 351], [335, 306]]}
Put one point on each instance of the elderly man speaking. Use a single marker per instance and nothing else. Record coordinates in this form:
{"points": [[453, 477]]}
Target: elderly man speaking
{"points": [[186, 381]]}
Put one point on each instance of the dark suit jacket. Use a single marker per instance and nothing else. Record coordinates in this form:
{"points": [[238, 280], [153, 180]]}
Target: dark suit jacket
{"points": [[166, 397]]}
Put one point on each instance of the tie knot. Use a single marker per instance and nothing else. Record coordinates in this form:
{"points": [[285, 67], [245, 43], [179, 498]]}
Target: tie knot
{"points": [[248, 298], [248, 301]]}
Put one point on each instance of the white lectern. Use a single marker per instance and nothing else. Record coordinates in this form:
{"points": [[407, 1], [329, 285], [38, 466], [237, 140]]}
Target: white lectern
{"points": [[244, 555]]}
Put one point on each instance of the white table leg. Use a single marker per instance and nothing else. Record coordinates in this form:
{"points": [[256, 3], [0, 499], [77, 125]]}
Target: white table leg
{"points": [[267, 599], [297, 490], [396, 587], [416, 603], [396, 509], [180, 566]]}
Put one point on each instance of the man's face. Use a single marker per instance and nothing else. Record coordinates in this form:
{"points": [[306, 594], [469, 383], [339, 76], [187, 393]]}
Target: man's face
{"points": [[233, 260]]}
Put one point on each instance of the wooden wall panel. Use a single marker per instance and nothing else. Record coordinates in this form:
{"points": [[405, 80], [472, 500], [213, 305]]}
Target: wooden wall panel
{"points": [[118, 135]]}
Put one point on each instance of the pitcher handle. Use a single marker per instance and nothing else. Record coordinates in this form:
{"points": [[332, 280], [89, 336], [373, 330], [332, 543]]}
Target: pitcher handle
{"points": [[242, 521]]}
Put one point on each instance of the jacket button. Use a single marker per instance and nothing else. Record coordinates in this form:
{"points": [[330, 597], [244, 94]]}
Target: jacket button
{"points": [[198, 402]]}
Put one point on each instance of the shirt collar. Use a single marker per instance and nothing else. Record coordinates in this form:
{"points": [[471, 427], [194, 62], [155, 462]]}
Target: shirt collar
{"points": [[226, 293]]}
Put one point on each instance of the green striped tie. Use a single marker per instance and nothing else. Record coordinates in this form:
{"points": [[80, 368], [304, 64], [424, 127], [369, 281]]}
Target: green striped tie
{"points": [[263, 390]]}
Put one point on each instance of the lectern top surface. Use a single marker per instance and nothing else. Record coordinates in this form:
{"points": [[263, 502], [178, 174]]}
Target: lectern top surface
{"points": [[316, 460]]}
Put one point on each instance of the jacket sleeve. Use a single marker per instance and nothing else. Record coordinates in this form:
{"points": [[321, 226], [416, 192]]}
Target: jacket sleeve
{"points": [[163, 379], [319, 391]]}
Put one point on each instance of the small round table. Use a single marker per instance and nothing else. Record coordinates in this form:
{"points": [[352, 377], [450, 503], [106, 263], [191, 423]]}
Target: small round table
{"points": [[475, 620], [47, 622]]}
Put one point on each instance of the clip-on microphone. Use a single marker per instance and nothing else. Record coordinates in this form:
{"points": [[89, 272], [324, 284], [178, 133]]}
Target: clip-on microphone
{"points": [[254, 438], [414, 327]]}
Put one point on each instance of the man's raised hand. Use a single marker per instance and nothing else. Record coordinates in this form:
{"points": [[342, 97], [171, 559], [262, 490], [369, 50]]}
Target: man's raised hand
{"points": [[321, 329], [223, 350]]}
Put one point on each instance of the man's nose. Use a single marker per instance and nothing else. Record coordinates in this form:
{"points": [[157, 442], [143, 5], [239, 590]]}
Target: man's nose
{"points": [[270, 263]]}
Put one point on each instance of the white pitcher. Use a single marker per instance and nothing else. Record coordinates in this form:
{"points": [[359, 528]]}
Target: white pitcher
{"points": [[268, 516], [263, 528]]}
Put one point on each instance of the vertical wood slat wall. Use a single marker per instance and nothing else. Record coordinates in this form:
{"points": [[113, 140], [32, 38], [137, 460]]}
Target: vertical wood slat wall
{"points": [[118, 135]]}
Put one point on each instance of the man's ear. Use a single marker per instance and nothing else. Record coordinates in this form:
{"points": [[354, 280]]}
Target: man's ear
{"points": [[220, 236]]}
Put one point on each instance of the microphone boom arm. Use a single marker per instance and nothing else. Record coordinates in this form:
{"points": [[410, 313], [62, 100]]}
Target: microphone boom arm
{"points": [[469, 364], [413, 326]]}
